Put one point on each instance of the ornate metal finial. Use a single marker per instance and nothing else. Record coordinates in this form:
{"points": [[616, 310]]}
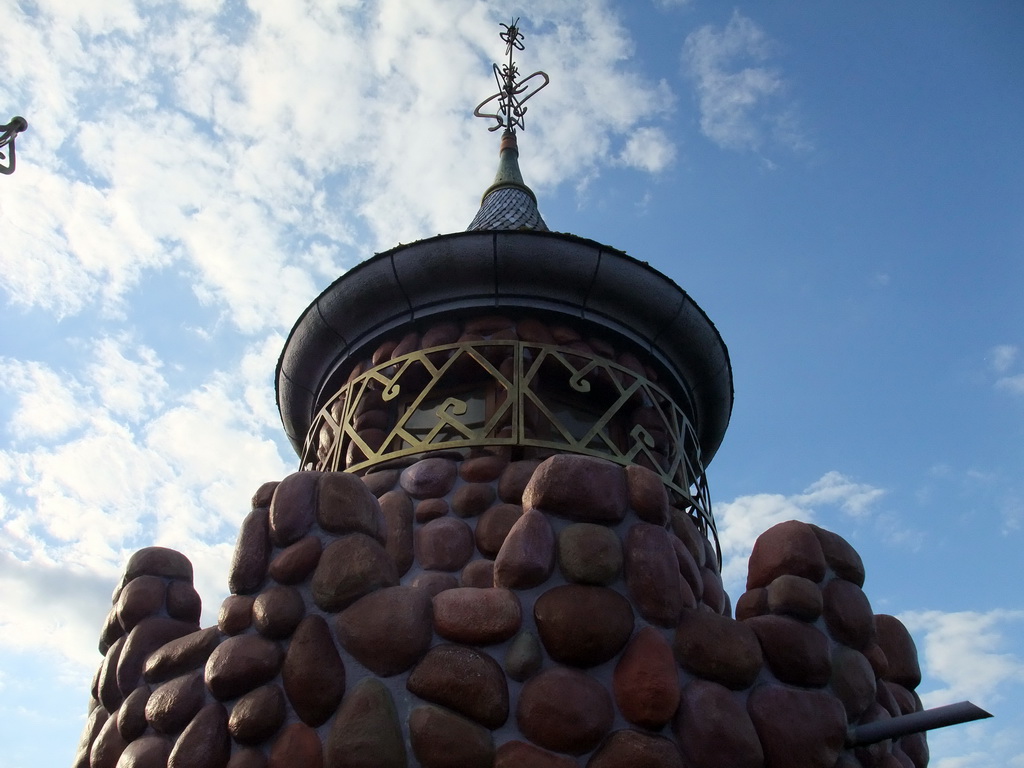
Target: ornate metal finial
{"points": [[511, 88], [8, 133]]}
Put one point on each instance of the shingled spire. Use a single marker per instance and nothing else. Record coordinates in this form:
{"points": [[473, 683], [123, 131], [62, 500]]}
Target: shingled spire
{"points": [[508, 203]]}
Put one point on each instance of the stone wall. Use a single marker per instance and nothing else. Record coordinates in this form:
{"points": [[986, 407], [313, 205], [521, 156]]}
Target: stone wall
{"points": [[488, 612]]}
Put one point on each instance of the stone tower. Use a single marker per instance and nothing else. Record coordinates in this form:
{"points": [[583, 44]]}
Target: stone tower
{"points": [[500, 549]]}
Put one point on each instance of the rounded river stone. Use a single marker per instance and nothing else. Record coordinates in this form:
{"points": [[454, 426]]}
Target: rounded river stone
{"points": [[564, 710], [477, 616], [256, 716], [646, 680], [465, 680], [583, 625], [444, 544], [366, 733], [313, 673], [443, 739], [719, 649], [388, 630], [240, 664], [349, 568], [277, 611], [589, 554]]}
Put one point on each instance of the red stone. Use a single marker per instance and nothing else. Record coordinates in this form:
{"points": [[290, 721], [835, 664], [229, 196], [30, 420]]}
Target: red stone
{"points": [[686, 531], [107, 690], [235, 614], [349, 568], [313, 673], [465, 680], [580, 488], [183, 602], [841, 556], [564, 710], [142, 597], [112, 630], [471, 499], [482, 469], [848, 614], [240, 664], [795, 596], [298, 745], [435, 582], [378, 483], [532, 329], [440, 334], [790, 547], [477, 616], [493, 526], [293, 509], [430, 509], [445, 544], [714, 591], [277, 611], [182, 655], [247, 758], [294, 563], [714, 729], [478, 573], [797, 728], [256, 716], [147, 636], [158, 561], [345, 505], [718, 649], [514, 479], [583, 626], [853, 681], [519, 754], [647, 495], [366, 733], [646, 680], [688, 568], [93, 725], [589, 554], [753, 602], [443, 739], [108, 746], [388, 630], [396, 509], [429, 478], [131, 716], [252, 553], [527, 557], [147, 752], [636, 750], [899, 648], [797, 653], [652, 574], [264, 494], [205, 743]]}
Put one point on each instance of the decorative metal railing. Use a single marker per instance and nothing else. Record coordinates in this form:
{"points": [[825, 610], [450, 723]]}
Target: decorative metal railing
{"points": [[510, 393]]}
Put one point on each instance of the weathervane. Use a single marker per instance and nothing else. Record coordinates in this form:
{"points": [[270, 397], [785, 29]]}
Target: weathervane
{"points": [[511, 88], [8, 133]]}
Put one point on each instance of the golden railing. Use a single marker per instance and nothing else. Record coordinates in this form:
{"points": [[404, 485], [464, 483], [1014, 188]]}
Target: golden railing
{"points": [[510, 393]]}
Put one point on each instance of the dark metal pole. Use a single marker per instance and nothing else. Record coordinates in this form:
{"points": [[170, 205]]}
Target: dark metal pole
{"points": [[8, 133], [880, 730]]}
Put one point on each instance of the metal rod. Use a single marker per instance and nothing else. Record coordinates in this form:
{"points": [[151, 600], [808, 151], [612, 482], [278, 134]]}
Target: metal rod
{"points": [[939, 717], [8, 133]]}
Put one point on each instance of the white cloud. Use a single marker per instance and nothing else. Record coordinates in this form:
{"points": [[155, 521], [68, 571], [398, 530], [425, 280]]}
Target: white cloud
{"points": [[739, 95], [76, 507], [648, 149], [745, 518], [1003, 356], [964, 654]]}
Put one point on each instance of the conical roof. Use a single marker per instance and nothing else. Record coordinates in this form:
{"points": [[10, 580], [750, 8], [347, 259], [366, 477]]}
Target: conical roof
{"points": [[508, 203]]}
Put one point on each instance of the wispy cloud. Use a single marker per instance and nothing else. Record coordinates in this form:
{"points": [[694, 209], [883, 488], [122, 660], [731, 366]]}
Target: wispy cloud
{"points": [[740, 94], [1002, 359], [745, 518], [966, 655]]}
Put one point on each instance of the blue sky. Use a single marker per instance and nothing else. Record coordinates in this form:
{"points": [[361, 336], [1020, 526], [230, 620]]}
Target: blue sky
{"points": [[839, 186]]}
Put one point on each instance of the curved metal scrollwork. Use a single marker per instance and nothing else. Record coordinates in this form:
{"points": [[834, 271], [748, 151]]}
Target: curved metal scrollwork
{"points": [[513, 91], [510, 393], [8, 133]]}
